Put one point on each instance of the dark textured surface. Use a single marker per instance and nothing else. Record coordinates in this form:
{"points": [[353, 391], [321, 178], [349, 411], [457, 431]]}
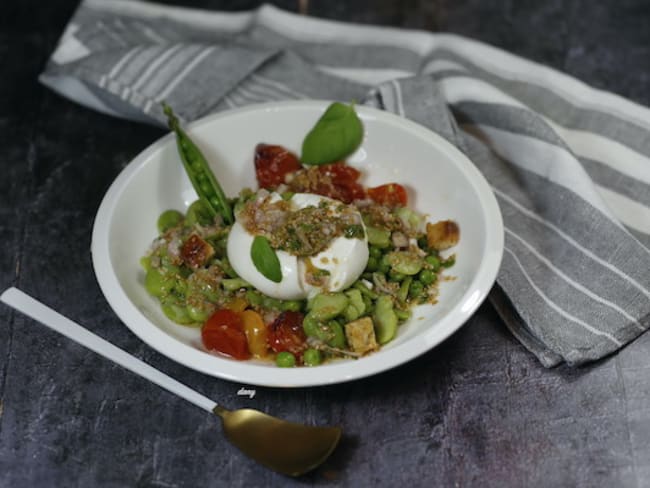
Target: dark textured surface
{"points": [[477, 411]]}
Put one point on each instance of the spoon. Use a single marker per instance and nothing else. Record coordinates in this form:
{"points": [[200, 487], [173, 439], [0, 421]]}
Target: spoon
{"points": [[256, 434]]}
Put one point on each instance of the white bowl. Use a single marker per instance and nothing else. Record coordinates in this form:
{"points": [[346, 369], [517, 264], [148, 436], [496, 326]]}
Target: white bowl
{"points": [[440, 180]]}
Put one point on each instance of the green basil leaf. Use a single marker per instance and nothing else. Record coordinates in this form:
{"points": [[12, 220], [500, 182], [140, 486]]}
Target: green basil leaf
{"points": [[336, 135], [265, 259]]}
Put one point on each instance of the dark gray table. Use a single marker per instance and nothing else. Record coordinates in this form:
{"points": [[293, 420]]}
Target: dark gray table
{"points": [[476, 411]]}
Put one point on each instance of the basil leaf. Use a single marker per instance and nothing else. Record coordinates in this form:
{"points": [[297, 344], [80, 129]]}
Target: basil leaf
{"points": [[336, 135], [265, 259]]}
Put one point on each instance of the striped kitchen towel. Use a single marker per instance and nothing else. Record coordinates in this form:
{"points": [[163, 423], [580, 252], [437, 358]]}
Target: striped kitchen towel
{"points": [[569, 165]]}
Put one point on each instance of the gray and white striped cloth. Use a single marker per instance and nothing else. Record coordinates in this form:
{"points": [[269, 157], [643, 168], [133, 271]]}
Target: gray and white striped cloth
{"points": [[570, 165]]}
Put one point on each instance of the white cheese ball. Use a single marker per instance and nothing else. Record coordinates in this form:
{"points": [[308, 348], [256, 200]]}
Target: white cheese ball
{"points": [[345, 259]]}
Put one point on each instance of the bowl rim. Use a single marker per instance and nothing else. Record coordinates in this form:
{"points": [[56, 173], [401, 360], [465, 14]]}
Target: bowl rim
{"points": [[329, 373]]}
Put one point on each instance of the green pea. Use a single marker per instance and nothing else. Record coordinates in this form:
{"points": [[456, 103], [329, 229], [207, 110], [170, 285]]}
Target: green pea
{"points": [[433, 261], [285, 359], [311, 357], [374, 252], [157, 284], [427, 277], [384, 265], [373, 264], [145, 262], [396, 276], [169, 219], [416, 289]]}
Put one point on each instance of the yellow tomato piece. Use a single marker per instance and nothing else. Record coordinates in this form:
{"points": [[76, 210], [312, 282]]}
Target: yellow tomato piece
{"points": [[256, 333], [237, 304]]}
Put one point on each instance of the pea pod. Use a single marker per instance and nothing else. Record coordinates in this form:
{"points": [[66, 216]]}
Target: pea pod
{"points": [[196, 166]]}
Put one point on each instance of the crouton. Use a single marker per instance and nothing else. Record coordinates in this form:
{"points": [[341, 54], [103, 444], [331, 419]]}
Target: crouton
{"points": [[361, 335], [443, 234], [196, 252]]}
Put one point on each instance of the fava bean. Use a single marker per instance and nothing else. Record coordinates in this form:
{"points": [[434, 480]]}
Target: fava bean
{"points": [[169, 219], [198, 312], [197, 213], [378, 237], [384, 319], [157, 284], [374, 252], [407, 263], [233, 284], [175, 311], [403, 292], [325, 306], [402, 315]]}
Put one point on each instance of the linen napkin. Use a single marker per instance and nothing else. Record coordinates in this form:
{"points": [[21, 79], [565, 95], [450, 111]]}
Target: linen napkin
{"points": [[569, 165]]}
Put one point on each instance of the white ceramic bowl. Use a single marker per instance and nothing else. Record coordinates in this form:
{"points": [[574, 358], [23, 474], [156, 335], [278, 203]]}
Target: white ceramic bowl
{"points": [[440, 180]]}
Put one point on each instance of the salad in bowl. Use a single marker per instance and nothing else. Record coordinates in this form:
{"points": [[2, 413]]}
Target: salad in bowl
{"points": [[310, 266]]}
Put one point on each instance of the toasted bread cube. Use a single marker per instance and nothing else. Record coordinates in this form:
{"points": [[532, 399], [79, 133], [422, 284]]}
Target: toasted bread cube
{"points": [[196, 252], [443, 234], [361, 335]]}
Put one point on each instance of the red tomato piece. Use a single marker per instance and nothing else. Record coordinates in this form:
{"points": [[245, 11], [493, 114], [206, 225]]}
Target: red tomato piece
{"points": [[344, 182], [273, 163], [341, 172], [392, 195], [286, 334], [223, 332]]}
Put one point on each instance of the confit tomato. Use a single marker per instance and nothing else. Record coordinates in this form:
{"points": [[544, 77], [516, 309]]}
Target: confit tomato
{"points": [[223, 332], [286, 334], [344, 186], [391, 195], [273, 163]]}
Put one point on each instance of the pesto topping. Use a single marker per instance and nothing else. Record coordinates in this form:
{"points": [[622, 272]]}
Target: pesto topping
{"points": [[303, 232]]}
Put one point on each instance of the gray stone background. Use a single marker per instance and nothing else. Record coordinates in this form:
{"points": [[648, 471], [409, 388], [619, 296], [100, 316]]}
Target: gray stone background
{"points": [[476, 411]]}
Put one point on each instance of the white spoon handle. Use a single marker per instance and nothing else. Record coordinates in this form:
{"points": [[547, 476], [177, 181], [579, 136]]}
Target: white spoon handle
{"points": [[55, 321]]}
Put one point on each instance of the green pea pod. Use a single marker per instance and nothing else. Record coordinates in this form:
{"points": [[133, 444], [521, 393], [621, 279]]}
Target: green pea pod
{"points": [[198, 170], [336, 135]]}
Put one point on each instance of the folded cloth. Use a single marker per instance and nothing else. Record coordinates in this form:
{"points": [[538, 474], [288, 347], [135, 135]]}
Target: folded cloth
{"points": [[569, 165]]}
